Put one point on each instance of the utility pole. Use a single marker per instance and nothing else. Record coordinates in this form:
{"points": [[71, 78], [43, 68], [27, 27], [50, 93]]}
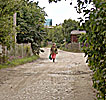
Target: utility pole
{"points": [[14, 22], [14, 19]]}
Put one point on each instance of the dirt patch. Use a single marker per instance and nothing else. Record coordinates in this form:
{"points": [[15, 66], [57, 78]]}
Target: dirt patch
{"points": [[67, 79]]}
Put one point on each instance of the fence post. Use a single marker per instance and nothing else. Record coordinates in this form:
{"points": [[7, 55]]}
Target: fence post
{"points": [[14, 23], [22, 50], [0, 53], [4, 54], [79, 46]]}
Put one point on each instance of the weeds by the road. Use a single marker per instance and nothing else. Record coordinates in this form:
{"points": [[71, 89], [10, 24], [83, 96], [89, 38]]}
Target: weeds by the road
{"points": [[67, 49], [71, 50], [17, 62]]}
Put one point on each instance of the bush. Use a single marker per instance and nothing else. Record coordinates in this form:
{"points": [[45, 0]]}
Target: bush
{"points": [[95, 38]]}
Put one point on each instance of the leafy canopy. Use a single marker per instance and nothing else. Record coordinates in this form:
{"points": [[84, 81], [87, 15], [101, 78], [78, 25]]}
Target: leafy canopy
{"points": [[31, 20], [95, 38], [7, 9]]}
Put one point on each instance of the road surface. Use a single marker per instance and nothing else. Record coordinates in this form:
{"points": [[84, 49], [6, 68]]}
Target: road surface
{"points": [[69, 78]]}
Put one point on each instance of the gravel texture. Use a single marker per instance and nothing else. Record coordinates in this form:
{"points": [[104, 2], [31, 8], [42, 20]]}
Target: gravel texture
{"points": [[69, 78]]}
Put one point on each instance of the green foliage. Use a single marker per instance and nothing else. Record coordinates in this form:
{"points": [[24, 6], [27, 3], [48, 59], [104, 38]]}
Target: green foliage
{"points": [[62, 32], [95, 26], [55, 34], [68, 26], [28, 52], [7, 9], [17, 62], [96, 49], [31, 20]]}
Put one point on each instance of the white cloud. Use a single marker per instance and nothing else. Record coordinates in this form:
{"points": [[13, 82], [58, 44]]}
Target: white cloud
{"points": [[60, 11]]}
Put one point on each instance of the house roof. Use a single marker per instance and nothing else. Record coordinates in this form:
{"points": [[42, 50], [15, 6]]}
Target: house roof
{"points": [[77, 32]]}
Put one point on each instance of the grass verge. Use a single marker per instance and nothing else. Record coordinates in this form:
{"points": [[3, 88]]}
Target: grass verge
{"points": [[17, 62], [71, 50]]}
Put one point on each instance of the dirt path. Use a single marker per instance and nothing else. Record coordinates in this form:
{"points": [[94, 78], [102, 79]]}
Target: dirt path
{"points": [[67, 79]]}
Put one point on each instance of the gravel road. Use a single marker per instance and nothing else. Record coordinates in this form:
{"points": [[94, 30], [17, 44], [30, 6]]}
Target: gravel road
{"points": [[69, 78]]}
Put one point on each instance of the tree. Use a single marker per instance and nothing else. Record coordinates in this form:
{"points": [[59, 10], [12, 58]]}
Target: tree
{"points": [[7, 36], [95, 26], [61, 32], [68, 26], [31, 20], [96, 40], [56, 34], [7, 9]]}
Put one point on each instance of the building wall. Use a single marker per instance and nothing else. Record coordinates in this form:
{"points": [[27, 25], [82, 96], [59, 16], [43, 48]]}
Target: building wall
{"points": [[74, 38], [48, 22]]}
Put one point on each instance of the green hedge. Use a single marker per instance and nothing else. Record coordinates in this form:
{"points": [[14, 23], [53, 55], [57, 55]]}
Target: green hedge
{"points": [[95, 46]]}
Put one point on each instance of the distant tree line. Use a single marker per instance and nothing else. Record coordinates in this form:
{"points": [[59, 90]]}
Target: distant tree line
{"points": [[62, 33]]}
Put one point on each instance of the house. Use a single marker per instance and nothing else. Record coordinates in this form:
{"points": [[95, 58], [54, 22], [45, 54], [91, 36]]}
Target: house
{"points": [[48, 22], [75, 34]]}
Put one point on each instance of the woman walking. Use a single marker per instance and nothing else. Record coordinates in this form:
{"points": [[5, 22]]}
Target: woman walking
{"points": [[53, 51]]}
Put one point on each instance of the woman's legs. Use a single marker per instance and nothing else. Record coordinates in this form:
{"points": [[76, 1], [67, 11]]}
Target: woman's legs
{"points": [[53, 59]]}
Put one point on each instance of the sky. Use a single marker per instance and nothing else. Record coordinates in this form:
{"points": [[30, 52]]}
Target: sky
{"points": [[60, 11]]}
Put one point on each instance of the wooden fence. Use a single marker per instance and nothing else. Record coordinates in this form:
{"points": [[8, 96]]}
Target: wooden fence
{"points": [[16, 52], [73, 46]]}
